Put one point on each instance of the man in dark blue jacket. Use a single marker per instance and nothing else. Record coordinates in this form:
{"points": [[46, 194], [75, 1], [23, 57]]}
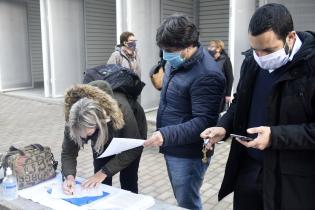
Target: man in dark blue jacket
{"points": [[275, 105], [193, 88]]}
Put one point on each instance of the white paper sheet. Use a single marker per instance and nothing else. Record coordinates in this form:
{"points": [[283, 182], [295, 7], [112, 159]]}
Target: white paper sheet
{"points": [[119, 145], [57, 192]]}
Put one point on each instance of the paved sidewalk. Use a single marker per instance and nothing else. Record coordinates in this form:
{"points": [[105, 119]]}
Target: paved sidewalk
{"points": [[25, 121]]}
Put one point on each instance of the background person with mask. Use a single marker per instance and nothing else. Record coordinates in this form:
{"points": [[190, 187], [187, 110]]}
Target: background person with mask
{"points": [[192, 91], [216, 49], [274, 104], [126, 53]]}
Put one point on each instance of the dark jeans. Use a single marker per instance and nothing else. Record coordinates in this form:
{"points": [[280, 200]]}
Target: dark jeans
{"points": [[128, 176], [248, 189]]}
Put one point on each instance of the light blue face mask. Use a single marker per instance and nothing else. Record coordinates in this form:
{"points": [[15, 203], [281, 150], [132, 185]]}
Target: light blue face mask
{"points": [[173, 58]]}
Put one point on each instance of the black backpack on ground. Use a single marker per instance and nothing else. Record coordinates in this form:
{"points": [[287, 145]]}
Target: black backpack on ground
{"points": [[120, 78]]}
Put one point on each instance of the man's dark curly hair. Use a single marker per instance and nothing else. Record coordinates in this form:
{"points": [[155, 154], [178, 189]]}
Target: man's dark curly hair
{"points": [[177, 31]]}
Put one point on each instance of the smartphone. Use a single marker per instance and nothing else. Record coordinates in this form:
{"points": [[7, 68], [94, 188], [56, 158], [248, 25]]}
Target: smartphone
{"points": [[242, 138]]}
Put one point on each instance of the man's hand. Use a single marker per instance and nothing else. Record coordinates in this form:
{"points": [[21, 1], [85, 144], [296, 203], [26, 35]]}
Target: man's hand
{"points": [[94, 181], [263, 139], [214, 134], [68, 185], [228, 99], [155, 140]]}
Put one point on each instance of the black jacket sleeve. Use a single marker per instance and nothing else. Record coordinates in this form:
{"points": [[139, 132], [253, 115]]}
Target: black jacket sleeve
{"points": [[69, 154], [228, 71], [295, 137], [130, 130]]}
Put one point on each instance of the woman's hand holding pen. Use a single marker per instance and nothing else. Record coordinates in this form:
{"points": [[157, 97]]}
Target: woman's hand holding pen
{"points": [[68, 185]]}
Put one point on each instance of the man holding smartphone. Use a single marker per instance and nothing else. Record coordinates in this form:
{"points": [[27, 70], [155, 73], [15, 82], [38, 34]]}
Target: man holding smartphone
{"points": [[275, 105]]}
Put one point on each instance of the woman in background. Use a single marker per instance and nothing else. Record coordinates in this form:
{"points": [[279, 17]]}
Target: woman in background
{"points": [[126, 53], [216, 49]]}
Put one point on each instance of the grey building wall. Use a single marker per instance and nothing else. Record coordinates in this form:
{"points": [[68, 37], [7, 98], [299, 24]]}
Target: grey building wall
{"points": [[169, 7], [257, 3], [302, 12], [211, 16], [100, 30], [214, 21]]}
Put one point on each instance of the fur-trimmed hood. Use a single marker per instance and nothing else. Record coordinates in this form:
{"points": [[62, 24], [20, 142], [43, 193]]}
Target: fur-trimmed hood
{"points": [[109, 104]]}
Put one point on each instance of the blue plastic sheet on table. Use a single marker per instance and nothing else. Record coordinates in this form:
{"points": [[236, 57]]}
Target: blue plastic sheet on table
{"points": [[85, 200]]}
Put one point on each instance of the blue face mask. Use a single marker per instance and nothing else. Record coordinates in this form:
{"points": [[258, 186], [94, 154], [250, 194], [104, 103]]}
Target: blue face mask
{"points": [[132, 45], [173, 58]]}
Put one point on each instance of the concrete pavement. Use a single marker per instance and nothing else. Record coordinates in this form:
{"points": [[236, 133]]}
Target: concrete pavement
{"points": [[24, 121]]}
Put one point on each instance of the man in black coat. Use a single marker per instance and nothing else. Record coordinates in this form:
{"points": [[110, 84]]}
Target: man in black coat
{"points": [[275, 105]]}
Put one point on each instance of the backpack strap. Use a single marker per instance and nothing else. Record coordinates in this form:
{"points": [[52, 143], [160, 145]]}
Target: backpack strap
{"points": [[13, 149], [37, 146]]}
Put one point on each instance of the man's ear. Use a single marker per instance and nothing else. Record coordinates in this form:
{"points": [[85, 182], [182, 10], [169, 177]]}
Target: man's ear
{"points": [[291, 39], [183, 53], [292, 35]]}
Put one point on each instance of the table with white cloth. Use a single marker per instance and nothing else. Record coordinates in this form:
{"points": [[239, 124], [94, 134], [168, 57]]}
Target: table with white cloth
{"points": [[41, 197]]}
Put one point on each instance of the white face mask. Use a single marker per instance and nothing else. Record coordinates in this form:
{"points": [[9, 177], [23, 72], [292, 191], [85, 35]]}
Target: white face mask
{"points": [[273, 60]]}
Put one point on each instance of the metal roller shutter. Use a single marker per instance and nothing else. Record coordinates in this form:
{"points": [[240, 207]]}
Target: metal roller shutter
{"points": [[169, 7], [214, 21], [100, 31], [302, 12], [35, 40]]}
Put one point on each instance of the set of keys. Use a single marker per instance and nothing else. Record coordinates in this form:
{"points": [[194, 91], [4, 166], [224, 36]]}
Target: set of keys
{"points": [[204, 151]]}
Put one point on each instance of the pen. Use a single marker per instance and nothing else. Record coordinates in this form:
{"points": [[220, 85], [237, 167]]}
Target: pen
{"points": [[70, 188]]}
